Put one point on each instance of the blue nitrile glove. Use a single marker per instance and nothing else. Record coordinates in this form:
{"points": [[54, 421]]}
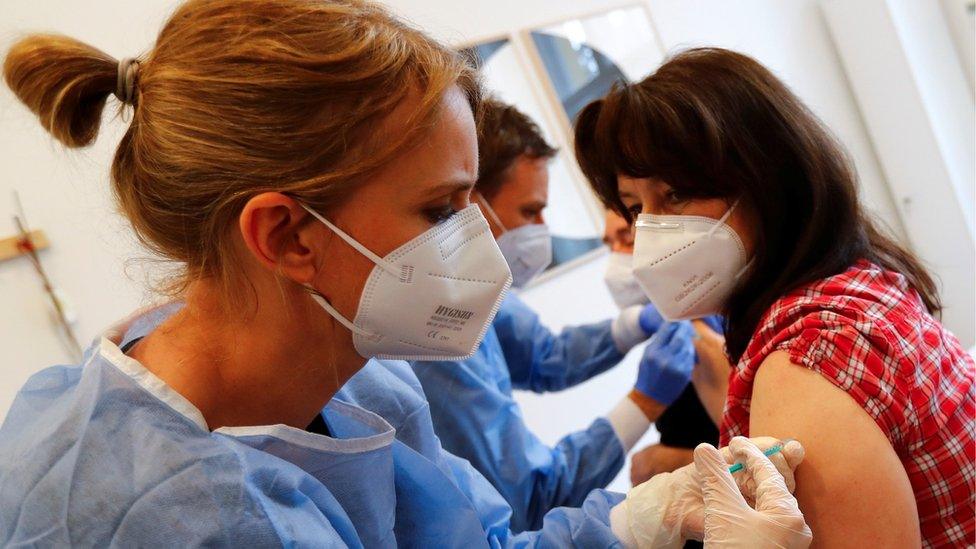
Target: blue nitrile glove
{"points": [[715, 322], [650, 320], [665, 369]]}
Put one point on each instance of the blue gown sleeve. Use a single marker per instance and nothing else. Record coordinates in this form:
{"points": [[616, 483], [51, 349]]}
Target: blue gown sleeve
{"points": [[585, 525], [476, 418], [541, 361]]}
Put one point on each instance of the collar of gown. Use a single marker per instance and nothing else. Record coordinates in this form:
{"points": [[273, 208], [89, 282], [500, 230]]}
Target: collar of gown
{"points": [[365, 430]]}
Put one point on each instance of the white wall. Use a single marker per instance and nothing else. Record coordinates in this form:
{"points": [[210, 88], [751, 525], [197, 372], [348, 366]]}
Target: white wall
{"points": [[962, 26], [66, 193], [919, 111]]}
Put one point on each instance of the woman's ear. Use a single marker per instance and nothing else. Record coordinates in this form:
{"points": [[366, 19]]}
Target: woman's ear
{"points": [[276, 231]]}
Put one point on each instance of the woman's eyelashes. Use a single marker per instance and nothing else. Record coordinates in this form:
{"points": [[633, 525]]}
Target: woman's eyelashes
{"points": [[674, 198], [667, 204], [439, 214]]}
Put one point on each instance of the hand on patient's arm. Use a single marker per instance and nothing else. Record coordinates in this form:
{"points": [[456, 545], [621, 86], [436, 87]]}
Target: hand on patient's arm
{"points": [[770, 518], [851, 487], [661, 458], [669, 508], [711, 375]]}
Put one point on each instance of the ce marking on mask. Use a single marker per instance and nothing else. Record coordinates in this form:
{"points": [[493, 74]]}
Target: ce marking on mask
{"points": [[693, 284], [446, 320]]}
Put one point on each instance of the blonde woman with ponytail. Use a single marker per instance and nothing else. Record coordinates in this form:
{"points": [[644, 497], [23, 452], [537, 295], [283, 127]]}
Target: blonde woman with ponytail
{"points": [[308, 163]]}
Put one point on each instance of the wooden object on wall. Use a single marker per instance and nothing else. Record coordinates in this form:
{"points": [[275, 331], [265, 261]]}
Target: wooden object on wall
{"points": [[13, 246]]}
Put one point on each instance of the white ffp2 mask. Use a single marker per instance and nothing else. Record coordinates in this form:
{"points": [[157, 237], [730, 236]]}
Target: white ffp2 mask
{"points": [[527, 249], [620, 281], [432, 298], [687, 264]]}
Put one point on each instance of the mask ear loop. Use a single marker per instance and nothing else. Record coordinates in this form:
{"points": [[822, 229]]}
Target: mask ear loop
{"points": [[382, 263], [721, 222], [379, 261], [743, 270], [723, 219], [338, 316], [483, 204]]}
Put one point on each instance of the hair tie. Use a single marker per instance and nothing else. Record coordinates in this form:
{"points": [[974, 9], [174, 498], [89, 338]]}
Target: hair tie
{"points": [[125, 83]]}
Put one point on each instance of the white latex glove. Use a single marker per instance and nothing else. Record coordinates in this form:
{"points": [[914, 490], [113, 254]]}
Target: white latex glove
{"points": [[669, 509], [785, 461], [776, 520]]}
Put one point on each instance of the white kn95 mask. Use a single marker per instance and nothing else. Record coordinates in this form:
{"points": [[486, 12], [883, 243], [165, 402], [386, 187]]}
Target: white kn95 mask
{"points": [[432, 298], [688, 265]]}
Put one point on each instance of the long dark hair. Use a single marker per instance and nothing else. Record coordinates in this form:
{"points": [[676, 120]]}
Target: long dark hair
{"points": [[715, 123]]}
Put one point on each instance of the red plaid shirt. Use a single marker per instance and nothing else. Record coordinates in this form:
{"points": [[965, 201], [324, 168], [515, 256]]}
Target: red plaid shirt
{"points": [[867, 332]]}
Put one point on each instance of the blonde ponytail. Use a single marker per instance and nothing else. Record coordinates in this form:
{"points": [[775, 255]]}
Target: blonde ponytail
{"points": [[64, 82]]}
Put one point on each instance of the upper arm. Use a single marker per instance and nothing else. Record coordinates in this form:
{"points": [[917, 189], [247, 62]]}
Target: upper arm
{"points": [[711, 374], [851, 487]]}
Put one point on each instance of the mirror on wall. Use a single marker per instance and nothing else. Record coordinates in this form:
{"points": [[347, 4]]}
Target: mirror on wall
{"points": [[550, 73], [585, 57]]}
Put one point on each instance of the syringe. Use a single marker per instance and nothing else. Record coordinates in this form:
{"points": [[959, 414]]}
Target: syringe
{"points": [[768, 452]]}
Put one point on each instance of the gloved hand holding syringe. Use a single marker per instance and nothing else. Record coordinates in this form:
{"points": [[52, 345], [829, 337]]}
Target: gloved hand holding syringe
{"points": [[705, 501], [738, 466]]}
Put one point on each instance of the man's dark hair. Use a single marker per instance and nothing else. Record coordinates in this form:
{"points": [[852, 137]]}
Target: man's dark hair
{"points": [[505, 134]]}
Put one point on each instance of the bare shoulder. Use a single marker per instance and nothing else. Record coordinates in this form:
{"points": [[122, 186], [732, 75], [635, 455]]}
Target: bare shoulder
{"points": [[852, 488]]}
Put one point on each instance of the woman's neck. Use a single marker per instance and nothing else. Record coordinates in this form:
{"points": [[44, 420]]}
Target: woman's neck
{"points": [[281, 362]]}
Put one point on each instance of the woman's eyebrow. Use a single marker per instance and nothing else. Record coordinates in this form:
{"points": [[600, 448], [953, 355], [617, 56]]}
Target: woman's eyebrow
{"points": [[451, 186]]}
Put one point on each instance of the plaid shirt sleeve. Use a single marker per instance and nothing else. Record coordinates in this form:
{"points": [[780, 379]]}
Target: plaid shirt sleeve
{"points": [[867, 332], [831, 346]]}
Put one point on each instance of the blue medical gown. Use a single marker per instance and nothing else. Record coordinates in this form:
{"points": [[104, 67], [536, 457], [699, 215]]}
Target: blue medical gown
{"points": [[105, 454], [540, 361], [476, 417]]}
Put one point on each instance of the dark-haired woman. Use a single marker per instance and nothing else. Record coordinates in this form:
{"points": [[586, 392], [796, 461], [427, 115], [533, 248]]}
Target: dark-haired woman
{"points": [[745, 205]]}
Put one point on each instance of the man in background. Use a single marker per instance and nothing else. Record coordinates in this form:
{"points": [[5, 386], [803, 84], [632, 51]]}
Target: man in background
{"points": [[475, 415]]}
